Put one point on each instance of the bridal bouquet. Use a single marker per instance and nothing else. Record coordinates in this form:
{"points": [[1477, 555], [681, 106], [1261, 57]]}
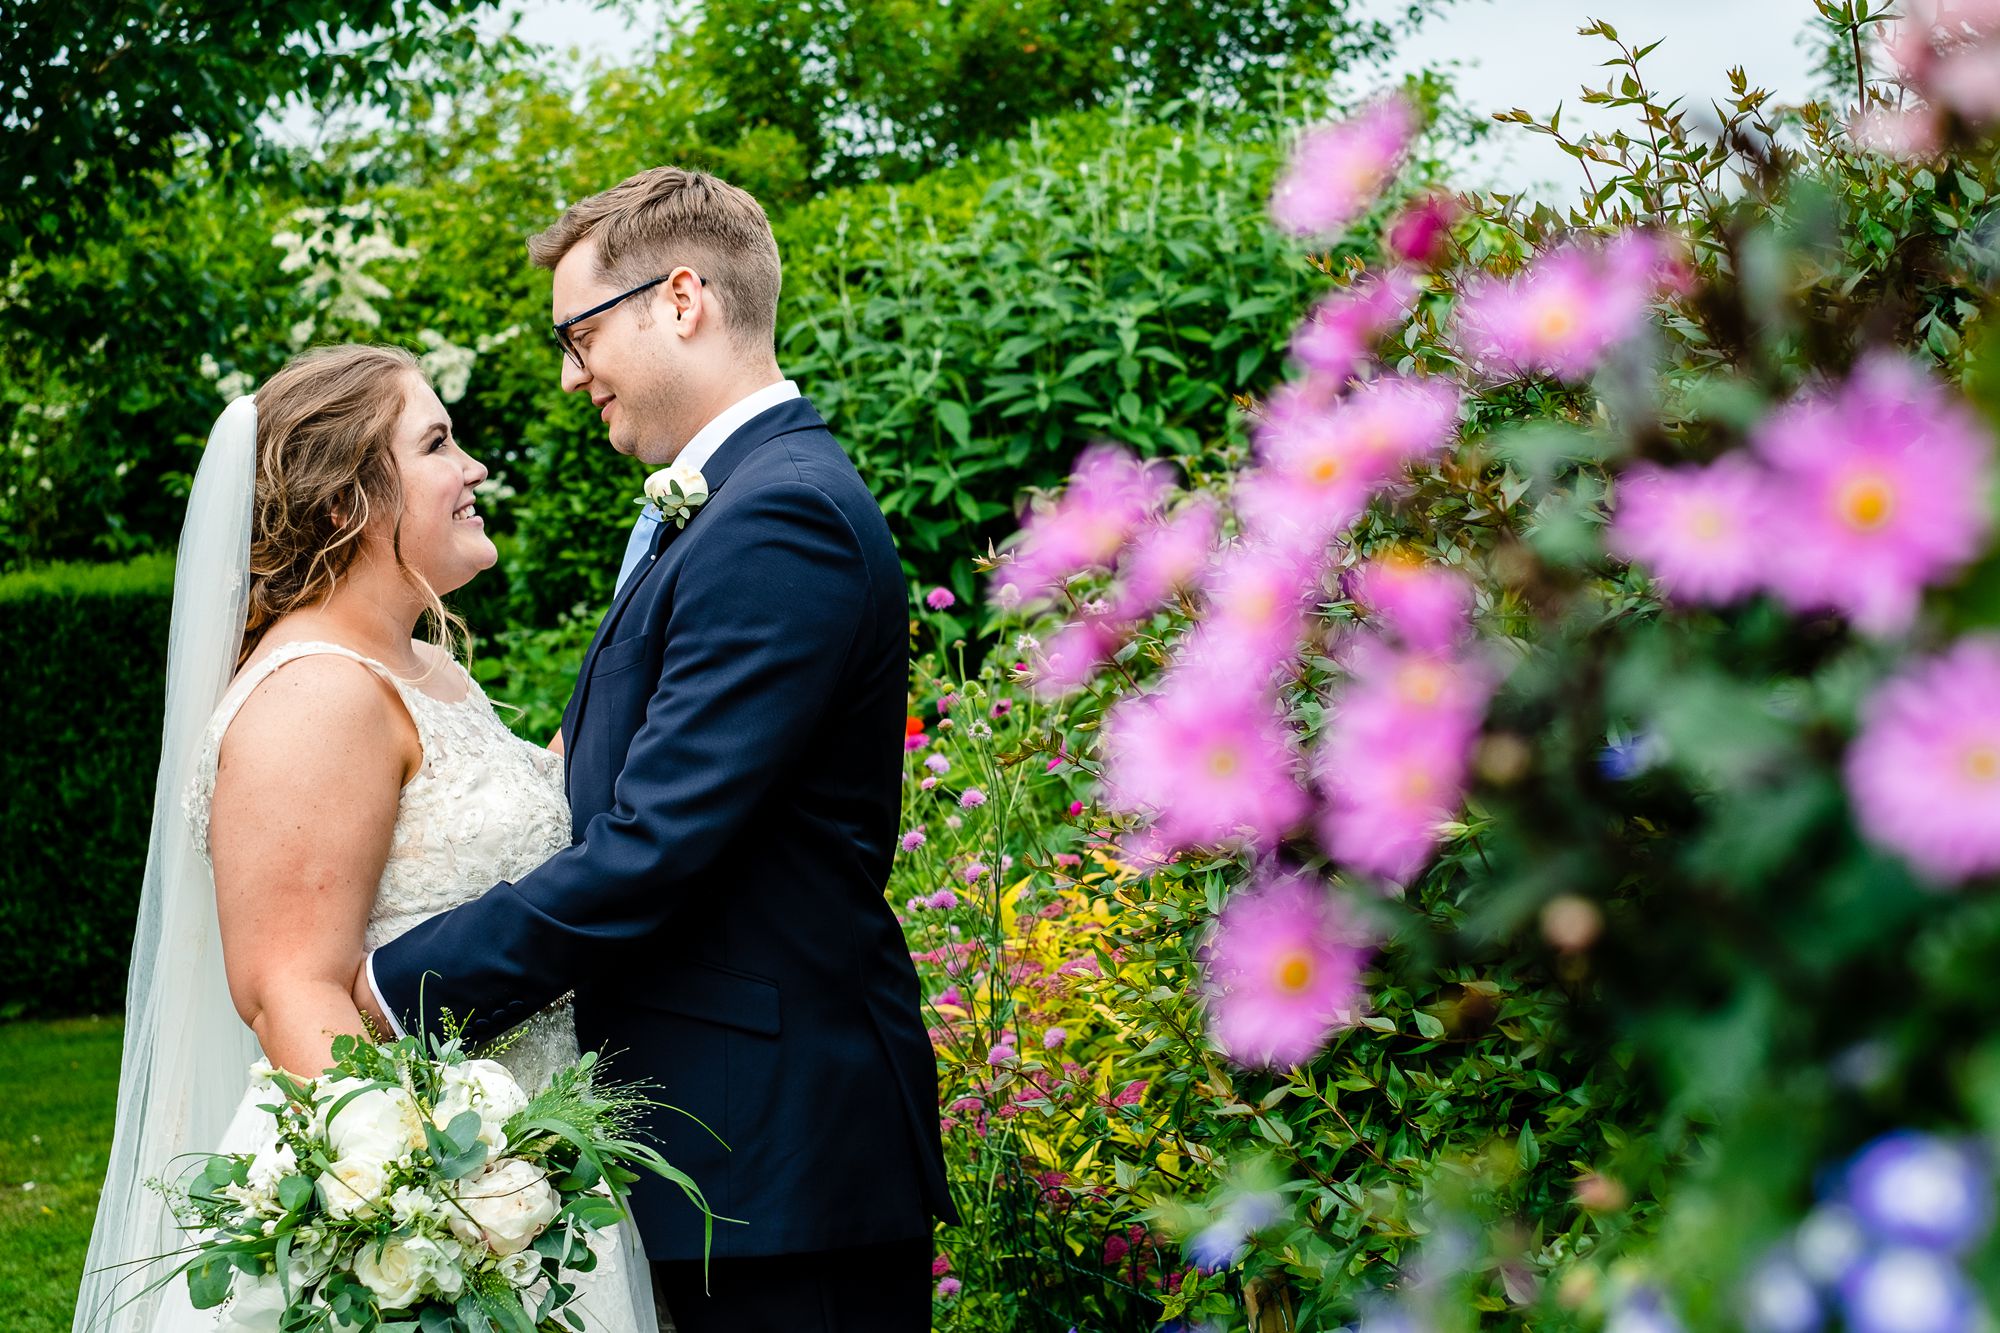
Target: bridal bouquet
{"points": [[414, 1191]]}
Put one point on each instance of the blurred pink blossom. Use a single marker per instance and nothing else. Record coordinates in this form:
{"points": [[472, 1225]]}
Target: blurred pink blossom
{"points": [[1053, 1039], [1338, 170], [1565, 311], [1699, 530], [1421, 233], [1427, 606], [1109, 494], [1880, 487], [1258, 597], [1394, 757], [943, 900], [1074, 654], [1207, 759], [913, 840], [972, 798], [1282, 972], [1165, 558], [939, 599], [1946, 50], [1339, 332], [1909, 133], [1924, 773]]}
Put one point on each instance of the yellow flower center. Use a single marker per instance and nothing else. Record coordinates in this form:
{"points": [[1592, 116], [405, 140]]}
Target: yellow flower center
{"points": [[1421, 682], [1558, 321], [1222, 762], [1982, 762], [1294, 972], [1866, 502], [1325, 469], [1708, 524]]}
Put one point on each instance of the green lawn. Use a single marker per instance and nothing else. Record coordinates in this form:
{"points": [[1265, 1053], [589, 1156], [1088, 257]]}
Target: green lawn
{"points": [[57, 1087]]}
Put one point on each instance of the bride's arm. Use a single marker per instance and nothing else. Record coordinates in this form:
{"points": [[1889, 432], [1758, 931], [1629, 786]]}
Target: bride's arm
{"points": [[305, 807]]}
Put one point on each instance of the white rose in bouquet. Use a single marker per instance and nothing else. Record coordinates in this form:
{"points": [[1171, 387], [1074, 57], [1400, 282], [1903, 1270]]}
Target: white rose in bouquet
{"points": [[485, 1087], [380, 1125], [505, 1206], [391, 1271], [353, 1188], [255, 1305], [522, 1268]]}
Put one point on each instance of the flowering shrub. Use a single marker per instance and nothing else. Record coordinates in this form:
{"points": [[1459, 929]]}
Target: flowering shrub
{"points": [[1556, 772]]}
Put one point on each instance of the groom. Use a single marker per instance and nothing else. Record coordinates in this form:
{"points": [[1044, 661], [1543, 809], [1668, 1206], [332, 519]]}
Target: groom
{"points": [[734, 753]]}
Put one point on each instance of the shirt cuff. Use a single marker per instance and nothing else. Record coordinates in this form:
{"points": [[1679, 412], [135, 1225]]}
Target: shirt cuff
{"points": [[395, 1028]]}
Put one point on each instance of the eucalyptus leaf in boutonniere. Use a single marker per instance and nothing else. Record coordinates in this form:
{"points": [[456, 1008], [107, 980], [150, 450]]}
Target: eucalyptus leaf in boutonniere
{"points": [[675, 492]]}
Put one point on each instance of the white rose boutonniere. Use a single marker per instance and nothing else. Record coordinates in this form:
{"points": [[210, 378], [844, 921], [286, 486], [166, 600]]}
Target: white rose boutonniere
{"points": [[675, 492]]}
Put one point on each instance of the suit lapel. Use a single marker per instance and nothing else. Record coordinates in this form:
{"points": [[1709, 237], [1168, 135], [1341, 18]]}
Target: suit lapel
{"points": [[794, 414]]}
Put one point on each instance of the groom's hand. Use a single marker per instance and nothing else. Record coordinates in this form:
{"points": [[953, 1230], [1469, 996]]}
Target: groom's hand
{"points": [[364, 1001]]}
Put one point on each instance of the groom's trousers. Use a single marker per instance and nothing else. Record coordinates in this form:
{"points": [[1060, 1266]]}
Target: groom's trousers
{"points": [[870, 1289]]}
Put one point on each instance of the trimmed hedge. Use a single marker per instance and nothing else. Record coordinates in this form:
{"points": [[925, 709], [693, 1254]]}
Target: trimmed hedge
{"points": [[83, 656]]}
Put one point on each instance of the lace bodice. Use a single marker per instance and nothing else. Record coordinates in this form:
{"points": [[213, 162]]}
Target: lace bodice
{"points": [[485, 806]]}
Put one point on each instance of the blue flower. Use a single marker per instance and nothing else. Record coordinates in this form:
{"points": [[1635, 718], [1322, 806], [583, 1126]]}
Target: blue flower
{"points": [[1778, 1297], [1922, 1190], [1908, 1290]]}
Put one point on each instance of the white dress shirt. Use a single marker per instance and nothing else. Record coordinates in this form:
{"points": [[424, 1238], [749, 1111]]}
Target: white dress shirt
{"points": [[697, 453]]}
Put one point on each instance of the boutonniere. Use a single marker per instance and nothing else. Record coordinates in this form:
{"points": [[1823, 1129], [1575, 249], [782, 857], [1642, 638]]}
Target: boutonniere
{"points": [[675, 492]]}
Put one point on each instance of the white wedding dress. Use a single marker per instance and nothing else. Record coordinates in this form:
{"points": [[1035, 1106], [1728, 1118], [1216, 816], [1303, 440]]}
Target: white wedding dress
{"points": [[485, 806]]}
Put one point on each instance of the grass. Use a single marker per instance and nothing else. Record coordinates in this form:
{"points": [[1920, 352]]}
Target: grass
{"points": [[60, 1082]]}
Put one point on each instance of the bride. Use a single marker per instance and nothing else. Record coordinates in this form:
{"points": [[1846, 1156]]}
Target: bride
{"points": [[326, 781]]}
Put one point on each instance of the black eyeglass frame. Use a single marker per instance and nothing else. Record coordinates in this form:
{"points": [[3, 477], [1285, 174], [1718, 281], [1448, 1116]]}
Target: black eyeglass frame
{"points": [[561, 331]]}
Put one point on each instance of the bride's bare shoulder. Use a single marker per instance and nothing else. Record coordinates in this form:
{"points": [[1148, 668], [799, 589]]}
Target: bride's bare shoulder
{"points": [[320, 711]]}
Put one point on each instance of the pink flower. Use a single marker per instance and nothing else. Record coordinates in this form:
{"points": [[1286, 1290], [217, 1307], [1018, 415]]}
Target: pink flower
{"points": [[1073, 655], [1337, 335], [1394, 758], [1075, 809], [913, 840], [943, 900], [939, 599], [946, 702], [1000, 1054], [927, 783], [1946, 51], [948, 1288], [1131, 1094], [974, 873], [1429, 607], [1165, 558], [949, 995], [1880, 487], [937, 763], [971, 798], [1924, 773], [1001, 708], [941, 1265], [1908, 133], [1338, 170], [1421, 233], [1258, 597], [1564, 312], [1281, 972], [1109, 494], [915, 740], [1207, 759], [1701, 531], [1323, 457], [1053, 1039]]}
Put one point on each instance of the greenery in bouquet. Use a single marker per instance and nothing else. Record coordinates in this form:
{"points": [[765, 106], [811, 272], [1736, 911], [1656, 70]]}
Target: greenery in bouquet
{"points": [[1550, 774], [412, 1187]]}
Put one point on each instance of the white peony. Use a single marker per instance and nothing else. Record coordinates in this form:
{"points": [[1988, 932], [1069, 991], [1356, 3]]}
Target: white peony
{"points": [[675, 491], [483, 1086], [394, 1271], [378, 1126], [353, 1188], [505, 1206], [255, 1305]]}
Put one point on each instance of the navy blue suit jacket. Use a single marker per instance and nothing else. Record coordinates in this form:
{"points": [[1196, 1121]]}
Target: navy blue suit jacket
{"points": [[734, 755]]}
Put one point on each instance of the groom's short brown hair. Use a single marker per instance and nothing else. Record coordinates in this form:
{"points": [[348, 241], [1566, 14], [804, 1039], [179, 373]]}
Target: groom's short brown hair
{"points": [[660, 219]]}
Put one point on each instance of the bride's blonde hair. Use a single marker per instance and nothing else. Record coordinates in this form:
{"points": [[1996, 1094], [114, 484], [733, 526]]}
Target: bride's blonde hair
{"points": [[326, 428]]}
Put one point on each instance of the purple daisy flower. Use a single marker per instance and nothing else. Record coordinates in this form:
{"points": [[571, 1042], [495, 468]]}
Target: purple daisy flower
{"points": [[1699, 530], [1924, 773], [1282, 972]]}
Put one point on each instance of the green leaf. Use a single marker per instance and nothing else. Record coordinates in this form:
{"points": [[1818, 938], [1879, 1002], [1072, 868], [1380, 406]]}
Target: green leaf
{"points": [[952, 416], [208, 1281]]}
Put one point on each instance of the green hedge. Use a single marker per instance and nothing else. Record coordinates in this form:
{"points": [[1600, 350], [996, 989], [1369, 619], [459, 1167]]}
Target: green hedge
{"points": [[84, 661]]}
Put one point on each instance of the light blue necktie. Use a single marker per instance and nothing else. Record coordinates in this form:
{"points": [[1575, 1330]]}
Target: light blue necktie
{"points": [[638, 547]]}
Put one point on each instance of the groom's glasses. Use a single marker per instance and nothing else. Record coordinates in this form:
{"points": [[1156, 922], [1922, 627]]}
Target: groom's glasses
{"points": [[561, 331]]}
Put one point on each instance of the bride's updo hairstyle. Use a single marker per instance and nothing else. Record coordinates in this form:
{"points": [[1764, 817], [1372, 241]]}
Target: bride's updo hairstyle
{"points": [[326, 427]]}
